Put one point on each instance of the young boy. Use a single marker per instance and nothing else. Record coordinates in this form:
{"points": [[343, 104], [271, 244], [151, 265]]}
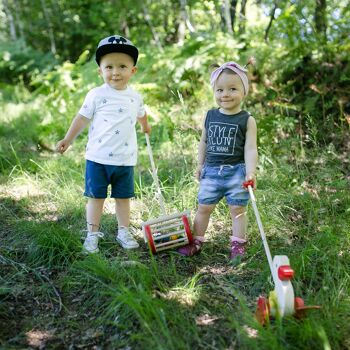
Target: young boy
{"points": [[112, 110], [227, 157]]}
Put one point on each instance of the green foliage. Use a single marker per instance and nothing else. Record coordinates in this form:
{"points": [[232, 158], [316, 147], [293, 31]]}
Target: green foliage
{"points": [[129, 299], [19, 62]]}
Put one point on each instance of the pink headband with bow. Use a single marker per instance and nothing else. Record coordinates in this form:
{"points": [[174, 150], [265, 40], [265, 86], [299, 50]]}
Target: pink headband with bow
{"points": [[235, 67]]}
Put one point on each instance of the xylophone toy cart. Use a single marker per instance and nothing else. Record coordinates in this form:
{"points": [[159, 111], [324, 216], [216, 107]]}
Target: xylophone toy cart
{"points": [[166, 231], [281, 301]]}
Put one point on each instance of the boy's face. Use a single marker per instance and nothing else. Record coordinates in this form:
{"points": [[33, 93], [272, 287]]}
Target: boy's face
{"points": [[116, 69], [229, 93]]}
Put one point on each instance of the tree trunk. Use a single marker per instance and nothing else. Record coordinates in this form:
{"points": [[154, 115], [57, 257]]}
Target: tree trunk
{"points": [[242, 19], [233, 9], [9, 15], [227, 15], [125, 28], [321, 18], [184, 23], [272, 18], [50, 27], [153, 30], [19, 23]]}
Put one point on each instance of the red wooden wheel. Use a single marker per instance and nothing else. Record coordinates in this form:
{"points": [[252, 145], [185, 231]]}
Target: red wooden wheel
{"points": [[301, 309], [187, 229], [262, 311], [298, 303], [150, 239]]}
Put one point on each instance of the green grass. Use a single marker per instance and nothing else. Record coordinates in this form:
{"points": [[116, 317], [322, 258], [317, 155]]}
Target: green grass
{"points": [[130, 299]]}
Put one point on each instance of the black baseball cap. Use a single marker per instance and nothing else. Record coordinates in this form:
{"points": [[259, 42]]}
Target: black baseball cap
{"points": [[116, 43]]}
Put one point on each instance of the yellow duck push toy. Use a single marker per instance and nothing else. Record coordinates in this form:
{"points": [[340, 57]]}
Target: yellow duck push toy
{"points": [[167, 231], [281, 301]]}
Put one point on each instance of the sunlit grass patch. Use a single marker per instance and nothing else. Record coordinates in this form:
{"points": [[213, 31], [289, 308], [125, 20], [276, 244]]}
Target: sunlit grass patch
{"points": [[187, 295]]}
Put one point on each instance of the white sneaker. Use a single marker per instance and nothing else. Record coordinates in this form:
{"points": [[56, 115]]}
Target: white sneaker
{"points": [[91, 242], [125, 239]]}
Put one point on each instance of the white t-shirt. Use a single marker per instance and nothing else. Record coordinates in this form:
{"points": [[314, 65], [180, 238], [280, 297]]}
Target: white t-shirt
{"points": [[112, 134]]}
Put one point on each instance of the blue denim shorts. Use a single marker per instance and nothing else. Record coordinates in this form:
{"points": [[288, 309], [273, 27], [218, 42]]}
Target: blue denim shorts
{"points": [[221, 181], [99, 176]]}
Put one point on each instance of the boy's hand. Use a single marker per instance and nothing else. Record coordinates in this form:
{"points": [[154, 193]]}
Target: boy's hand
{"points": [[146, 128], [62, 146]]}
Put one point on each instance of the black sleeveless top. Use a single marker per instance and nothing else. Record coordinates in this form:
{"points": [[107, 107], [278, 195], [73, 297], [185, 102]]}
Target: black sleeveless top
{"points": [[225, 137]]}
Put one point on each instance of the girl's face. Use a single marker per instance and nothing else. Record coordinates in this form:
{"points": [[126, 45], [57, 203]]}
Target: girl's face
{"points": [[229, 93], [116, 69]]}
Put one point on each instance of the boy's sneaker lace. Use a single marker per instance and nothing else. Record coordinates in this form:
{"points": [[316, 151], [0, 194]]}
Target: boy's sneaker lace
{"points": [[91, 242], [125, 239], [191, 249]]}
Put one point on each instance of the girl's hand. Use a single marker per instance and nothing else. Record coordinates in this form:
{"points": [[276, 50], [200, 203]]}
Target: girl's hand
{"points": [[62, 146], [198, 172], [251, 177]]}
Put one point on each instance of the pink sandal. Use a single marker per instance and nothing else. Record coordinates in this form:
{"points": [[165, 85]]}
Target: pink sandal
{"points": [[237, 250], [191, 249]]}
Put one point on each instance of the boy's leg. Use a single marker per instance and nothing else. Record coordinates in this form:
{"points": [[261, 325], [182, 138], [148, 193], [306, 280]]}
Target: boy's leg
{"points": [[94, 208], [200, 225], [122, 210], [239, 230]]}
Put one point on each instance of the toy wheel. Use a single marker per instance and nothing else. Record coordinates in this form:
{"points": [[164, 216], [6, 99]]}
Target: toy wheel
{"points": [[262, 311], [298, 302], [299, 307], [187, 229], [150, 239]]}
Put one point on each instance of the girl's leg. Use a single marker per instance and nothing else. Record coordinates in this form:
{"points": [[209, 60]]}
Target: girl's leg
{"points": [[239, 230], [239, 221], [201, 219], [94, 210], [200, 225]]}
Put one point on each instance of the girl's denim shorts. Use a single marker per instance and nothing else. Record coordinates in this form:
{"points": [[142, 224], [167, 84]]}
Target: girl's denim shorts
{"points": [[99, 176], [221, 181]]}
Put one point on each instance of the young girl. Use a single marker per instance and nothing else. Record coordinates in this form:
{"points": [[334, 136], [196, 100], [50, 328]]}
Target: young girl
{"points": [[227, 156]]}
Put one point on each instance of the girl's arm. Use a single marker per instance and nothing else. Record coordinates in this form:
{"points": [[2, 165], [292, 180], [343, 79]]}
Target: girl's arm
{"points": [[251, 150], [201, 152], [78, 124]]}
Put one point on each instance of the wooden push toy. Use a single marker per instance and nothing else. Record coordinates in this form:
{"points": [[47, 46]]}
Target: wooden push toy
{"points": [[281, 301], [167, 231]]}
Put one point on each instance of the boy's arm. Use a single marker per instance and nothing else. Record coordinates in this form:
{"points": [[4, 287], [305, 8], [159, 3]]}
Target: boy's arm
{"points": [[145, 127], [201, 152], [78, 124], [251, 150]]}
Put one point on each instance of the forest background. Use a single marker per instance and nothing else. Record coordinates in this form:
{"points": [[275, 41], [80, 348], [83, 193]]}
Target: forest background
{"points": [[52, 296]]}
